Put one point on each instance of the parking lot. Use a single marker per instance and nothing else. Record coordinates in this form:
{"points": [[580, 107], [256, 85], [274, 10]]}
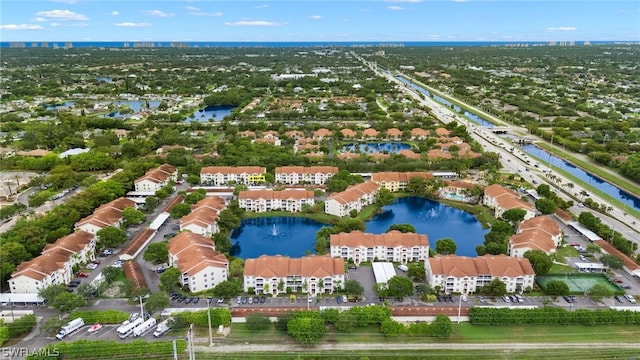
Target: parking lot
{"points": [[108, 332]]}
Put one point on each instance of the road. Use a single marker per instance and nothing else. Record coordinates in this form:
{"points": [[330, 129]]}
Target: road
{"points": [[517, 160]]}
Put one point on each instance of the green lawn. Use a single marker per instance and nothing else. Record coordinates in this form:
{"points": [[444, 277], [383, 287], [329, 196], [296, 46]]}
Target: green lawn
{"points": [[452, 354], [547, 333], [566, 251]]}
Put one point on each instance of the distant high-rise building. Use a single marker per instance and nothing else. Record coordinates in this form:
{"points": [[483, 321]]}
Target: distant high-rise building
{"points": [[44, 44]]}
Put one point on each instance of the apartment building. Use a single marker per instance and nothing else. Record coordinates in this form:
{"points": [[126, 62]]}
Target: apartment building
{"points": [[278, 274], [268, 200], [355, 197], [225, 175], [294, 175], [393, 246]]}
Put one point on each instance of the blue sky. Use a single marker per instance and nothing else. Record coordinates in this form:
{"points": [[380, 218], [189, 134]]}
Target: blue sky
{"points": [[309, 20]]}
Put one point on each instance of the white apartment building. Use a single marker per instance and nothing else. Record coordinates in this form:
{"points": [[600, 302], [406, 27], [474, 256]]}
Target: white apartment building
{"points": [[224, 175], [461, 274], [268, 200], [155, 179], [277, 274], [109, 214], [393, 246], [200, 265], [203, 218], [353, 198], [55, 264], [293, 175]]}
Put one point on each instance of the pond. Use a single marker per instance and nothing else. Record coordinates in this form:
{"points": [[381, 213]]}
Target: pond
{"points": [[376, 147], [295, 236], [210, 113]]}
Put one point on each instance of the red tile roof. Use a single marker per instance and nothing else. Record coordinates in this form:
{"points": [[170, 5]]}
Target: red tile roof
{"points": [[494, 265], [391, 239], [279, 266]]}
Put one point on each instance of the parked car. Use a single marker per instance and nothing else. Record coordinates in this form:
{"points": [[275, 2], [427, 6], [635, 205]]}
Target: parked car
{"points": [[619, 298], [92, 266], [196, 300], [506, 299], [630, 298], [107, 252], [82, 274], [221, 300], [263, 299], [250, 300]]}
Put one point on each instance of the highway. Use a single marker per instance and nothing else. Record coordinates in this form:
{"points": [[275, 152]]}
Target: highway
{"points": [[519, 162]]}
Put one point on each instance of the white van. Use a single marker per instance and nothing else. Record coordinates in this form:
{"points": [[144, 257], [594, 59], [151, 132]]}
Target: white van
{"points": [[630, 298], [403, 267]]}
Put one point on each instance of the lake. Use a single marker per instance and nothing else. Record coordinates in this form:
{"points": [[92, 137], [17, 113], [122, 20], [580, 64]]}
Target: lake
{"points": [[210, 113], [377, 147], [294, 236]]}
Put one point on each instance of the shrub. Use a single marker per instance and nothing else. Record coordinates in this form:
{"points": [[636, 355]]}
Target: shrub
{"points": [[98, 316]]}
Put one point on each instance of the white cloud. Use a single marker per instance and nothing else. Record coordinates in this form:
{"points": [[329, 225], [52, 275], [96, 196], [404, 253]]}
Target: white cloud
{"points": [[60, 15], [130, 24], [39, 19], [204, 13], [407, 1], [315, 17], [66, 1], [264, 6], [395, 8], [158, 13], [252, 23], [114, 13], [18, 27], [459, 0], [561, 28], [192, 8], [55, 24]]}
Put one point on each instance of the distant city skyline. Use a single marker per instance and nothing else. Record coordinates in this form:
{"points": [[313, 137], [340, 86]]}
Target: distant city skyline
{"points": [[328, 21]]}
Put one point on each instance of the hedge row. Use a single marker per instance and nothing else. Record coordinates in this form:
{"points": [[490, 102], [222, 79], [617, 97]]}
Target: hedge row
{"points": [[100, 316], [551, 316], [218, 317], [92, 349], [19, 326]]}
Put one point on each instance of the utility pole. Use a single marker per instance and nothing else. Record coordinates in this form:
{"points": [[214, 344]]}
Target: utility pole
{"points": [[175, 351], [209, 319]]}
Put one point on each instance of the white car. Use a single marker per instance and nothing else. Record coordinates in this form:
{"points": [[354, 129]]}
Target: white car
{"points": [[630, 298], [92, 266]]}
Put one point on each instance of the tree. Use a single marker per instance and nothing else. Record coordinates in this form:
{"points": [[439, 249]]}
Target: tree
{"points": [[157, 301], [156, 253], [132, 216], [193, 179], [589, 220], [348, 225], [67, 302], [236, 267], [222, 242], [495, 288], [417, 271], [170, 279], [417, 185], [195, 196], [612, 261], [111, 236], [110, 273], [229, 288], [599, 291], [441, 327], [403, 228], [540, 261], [353, 287], [87, 291], [544, 190], [180, 210], [446, 246], [399, 287], [384, 197], [557, 288], [150, 203], [49, 293], [258, 322], [306, 330], [514, 216], [546, 206]]}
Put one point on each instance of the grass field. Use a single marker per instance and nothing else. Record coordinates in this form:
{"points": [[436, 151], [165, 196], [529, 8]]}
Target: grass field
{"points": [[462, 334]]}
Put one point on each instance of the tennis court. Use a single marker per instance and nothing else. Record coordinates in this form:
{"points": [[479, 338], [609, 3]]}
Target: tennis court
{"points": [[579, 283]]}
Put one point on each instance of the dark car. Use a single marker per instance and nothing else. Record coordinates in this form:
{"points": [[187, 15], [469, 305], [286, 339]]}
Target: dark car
{"points": [[619, 298], [244, 299], [339, 299], [263, 299], [188, 300], [196, 300]]}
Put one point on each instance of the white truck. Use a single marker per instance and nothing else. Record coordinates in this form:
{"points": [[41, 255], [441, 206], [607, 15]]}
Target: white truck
{"points": [[163, 327], [404, 268], [144, 327], [72, 326]]}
